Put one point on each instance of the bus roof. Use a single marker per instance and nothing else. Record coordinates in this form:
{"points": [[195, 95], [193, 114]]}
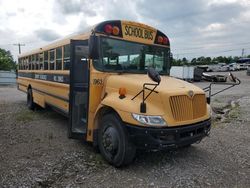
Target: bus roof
{"points": [[128, 30]]}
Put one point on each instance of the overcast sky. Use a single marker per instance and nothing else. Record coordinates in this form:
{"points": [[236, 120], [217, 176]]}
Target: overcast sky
{"points": [[195, 27]]}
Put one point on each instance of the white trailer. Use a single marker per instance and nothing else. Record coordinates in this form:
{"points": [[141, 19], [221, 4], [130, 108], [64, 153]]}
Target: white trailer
{"points": [[182, 72]]}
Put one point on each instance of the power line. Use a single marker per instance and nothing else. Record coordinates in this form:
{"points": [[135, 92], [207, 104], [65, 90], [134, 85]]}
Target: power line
{"points": [[176, 34], [222, 51], [216, 46], [19, 46]]}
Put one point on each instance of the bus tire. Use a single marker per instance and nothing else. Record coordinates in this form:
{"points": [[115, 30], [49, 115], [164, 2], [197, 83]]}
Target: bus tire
{"points": [[113, 141], [30, 102], [186, 146]]}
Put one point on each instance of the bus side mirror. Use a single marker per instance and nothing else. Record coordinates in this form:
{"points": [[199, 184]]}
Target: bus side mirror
{"points": [[154, 75], [94, 52]]}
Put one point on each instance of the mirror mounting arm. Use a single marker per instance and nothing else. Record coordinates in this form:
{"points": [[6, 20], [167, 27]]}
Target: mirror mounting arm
{"points": [[155, 76], [143, 104]]}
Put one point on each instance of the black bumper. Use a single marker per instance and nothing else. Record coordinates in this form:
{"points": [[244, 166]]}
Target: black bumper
{"points": [[168, 138]]}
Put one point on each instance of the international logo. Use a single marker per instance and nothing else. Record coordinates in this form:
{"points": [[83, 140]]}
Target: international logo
{"points": [[190, 93]]}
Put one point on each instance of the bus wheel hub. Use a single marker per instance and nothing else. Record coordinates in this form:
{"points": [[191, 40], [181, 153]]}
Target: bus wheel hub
{"points": [[110, 140]]}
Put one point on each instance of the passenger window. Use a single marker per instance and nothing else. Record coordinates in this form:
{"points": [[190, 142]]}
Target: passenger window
{"points": [[46, 60], [40, 61], [27, 63], [52, 59], [66, 57], [59, 58], [36, 62], [30, 63]]}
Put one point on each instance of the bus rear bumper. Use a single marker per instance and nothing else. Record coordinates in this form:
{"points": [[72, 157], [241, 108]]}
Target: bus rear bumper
{"points": [[168, 138]]}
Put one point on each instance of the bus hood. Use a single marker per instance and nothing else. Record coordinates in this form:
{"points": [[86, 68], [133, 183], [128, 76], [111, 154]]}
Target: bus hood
{"points": [[179, 102], [134, 83]]}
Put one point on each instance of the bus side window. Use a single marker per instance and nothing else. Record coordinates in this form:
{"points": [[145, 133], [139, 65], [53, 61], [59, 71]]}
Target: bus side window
{"points": [[59, 58], [29, 62], [22, 63], [46, 60], [33, 63], [52, 59], [26, 63], [19, 63], [40, 61], [66, 57], [36, 62]]}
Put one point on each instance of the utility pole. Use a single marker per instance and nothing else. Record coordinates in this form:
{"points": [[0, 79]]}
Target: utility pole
{"points": [[19, 46], [242, 52]]}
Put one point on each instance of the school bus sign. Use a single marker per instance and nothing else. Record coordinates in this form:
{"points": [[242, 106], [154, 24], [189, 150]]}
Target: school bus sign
{"points": [[138, 32]]}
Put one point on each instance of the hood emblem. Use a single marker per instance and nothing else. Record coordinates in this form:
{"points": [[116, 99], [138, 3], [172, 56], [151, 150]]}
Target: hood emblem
{"points": [[190, 93]]}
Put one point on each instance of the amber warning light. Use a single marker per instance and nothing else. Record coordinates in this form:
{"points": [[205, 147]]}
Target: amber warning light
{"points": [[122, 92]]}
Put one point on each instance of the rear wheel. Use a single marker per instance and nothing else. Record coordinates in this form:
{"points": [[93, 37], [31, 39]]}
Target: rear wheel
{"points": [[186, 146], [113, 141], [30, 102]]}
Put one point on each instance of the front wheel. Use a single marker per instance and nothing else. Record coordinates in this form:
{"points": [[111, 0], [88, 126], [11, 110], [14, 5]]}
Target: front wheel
{"points": [[113, 141]]}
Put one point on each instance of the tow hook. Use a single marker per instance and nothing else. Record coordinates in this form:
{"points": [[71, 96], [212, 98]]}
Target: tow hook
{"points": [[207, 132]]}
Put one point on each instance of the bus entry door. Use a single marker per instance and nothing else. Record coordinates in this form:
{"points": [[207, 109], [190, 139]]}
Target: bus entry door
{"points": [[79, 89]]}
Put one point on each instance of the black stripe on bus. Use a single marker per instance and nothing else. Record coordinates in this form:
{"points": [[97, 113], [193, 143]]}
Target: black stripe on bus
{"points": [[52, 95], [58, 109], [21, 85], [59, 78]]}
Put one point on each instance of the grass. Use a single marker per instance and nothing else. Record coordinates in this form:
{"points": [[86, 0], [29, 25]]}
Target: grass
{"points": [[234, 113], [25, 116]]}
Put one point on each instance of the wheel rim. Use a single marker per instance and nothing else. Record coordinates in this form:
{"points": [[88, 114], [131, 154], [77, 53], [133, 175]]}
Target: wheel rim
{"points": [[110, 141]]}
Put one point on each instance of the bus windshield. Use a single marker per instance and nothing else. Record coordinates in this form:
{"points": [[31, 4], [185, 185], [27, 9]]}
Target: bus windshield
{"points": [[125, 56]]}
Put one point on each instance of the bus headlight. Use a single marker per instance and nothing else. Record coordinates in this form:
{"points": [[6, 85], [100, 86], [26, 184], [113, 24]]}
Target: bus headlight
{"points": [[149, 120]]}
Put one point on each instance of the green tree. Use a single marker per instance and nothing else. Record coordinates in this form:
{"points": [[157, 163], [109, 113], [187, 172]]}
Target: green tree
{"points": [[193, 61], [6, 60], [184, 61]]}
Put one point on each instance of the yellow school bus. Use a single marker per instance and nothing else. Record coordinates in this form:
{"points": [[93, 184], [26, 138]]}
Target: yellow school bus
{"points": [[113, 84]]}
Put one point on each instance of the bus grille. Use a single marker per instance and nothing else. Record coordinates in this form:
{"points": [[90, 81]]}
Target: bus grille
{"points": [[185, 108]]}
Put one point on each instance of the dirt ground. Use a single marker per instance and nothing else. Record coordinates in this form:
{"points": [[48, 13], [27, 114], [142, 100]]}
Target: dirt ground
{"points": [[35, 150]]}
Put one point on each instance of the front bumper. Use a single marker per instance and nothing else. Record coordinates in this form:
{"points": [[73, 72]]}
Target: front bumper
{"points": [[168, 138]]}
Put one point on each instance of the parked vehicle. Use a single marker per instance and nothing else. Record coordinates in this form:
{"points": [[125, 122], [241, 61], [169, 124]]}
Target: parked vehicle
{"points": [[248, 71], [233, 67], [113, 84], [220, 67], [243, 63], [242, 66], [214, 78], [182, 72]]}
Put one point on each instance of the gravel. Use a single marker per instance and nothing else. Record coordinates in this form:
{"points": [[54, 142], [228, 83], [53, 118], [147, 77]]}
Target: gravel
{"points": [[35, 150]]}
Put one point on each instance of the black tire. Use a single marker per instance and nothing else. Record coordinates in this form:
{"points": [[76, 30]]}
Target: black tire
{"points": [[30, 102], [186, 146], [113, 141]]}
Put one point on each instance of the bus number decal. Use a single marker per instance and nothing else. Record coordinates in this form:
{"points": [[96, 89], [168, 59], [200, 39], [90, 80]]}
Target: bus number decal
{"points": [[41, 76], [58, 78], [97, 81]]}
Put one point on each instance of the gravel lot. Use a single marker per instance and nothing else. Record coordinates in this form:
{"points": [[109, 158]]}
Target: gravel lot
{"points": [[35, 150]]}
